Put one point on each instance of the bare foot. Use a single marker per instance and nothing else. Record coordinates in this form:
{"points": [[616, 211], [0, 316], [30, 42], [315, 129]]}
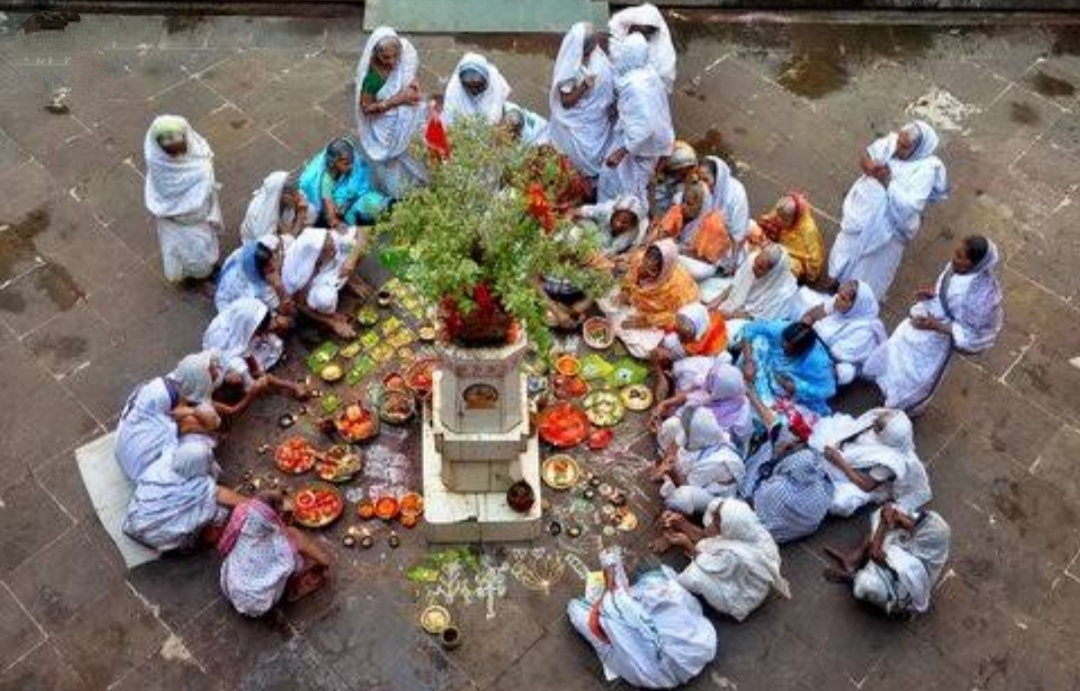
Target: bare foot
{"points": [[837, 576], [342, 329]]}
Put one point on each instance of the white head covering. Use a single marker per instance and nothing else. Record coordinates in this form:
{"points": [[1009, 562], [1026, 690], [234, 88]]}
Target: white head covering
{"points": [[630, 53], [698, 314], [629, 202], [729, 197], [193, 375], [894, 448], [488, 105], [702, 430], [232, 329], [984, 293], [742, 534], [768, 297], [926, 139], [661, 51], [181, 185], [301, 259], [584, 131], [387, 135], [264, 210], [852, 335]]}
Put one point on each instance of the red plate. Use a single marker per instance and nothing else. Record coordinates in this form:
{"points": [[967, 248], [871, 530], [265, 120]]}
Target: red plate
{"points": [[323, 506], [563, 425]]}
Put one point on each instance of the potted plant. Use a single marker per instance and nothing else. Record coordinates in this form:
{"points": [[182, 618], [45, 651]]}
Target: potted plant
{"points": [[478, 238]]}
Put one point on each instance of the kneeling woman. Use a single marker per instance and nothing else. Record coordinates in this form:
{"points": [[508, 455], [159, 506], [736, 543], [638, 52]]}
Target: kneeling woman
{"points": [[178, 497], [786, 361], [248, 335], [315, 269], [162, 409], [265, 559]]}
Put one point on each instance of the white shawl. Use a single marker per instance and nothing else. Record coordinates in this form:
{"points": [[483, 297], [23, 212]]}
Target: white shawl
{"points": [[644, 124], [182, 185], [387, 135], [301, 259], [457, 102], [583, 132], [661, 49], [853, 335], [768, 297], [264, 210]]}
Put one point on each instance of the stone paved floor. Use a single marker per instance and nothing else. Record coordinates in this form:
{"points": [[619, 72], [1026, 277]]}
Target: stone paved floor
{"points": [[86, 314]]}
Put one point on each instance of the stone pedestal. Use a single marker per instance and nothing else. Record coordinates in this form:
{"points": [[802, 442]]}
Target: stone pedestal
{"points": [[476, 445]]}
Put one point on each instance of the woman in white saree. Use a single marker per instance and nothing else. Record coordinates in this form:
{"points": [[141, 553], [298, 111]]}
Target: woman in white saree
{"points": [[643, 132], [735, 562], [581, 99], [849, 326], [883, 210], [278, 207], [871, 459], [390, 110], [476, 89], [963, 313], [181, 193], [646, 20]]}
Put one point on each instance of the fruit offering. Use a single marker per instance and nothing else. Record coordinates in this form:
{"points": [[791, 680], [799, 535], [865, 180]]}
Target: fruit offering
{"points": [[295, 456], [356, 424], [317, 506]]}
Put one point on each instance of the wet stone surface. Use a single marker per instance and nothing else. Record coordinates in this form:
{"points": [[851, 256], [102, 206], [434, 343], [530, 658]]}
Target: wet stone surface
{"points": [[85, 315]]}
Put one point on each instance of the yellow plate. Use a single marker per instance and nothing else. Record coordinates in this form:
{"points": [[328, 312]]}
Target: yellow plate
{"points": [[434, 619], [557, 478], [636, 397], [332, 372]]}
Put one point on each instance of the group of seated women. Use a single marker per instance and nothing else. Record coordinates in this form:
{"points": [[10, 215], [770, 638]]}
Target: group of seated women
{"points": [[749, 325]]}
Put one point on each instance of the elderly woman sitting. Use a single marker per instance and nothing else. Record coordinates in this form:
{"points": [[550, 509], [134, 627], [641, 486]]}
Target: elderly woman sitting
{"points": [[276, 208], [337, 184], [763, 288], [791, 223], [849, 326], [897, 566], [729, 198], [734, 561], [317, 266], [654, 289], [265, 560], [704, 245], [162, 409], [477, 89], [786, 361], [249, 337], [178, 497], [872, 459], [703, 467], [182, 194], [722, 392], [652, 634], [390, 110]]}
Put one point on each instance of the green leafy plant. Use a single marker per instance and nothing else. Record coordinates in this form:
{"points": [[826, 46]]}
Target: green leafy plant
{"points": [[477, 223]]}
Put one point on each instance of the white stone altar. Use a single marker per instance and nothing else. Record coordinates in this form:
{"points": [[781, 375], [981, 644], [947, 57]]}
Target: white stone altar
{"points": [[476, 443]]}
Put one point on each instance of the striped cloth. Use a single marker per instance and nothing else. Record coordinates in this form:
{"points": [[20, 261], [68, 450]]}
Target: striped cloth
{"points": [[790, 494]]}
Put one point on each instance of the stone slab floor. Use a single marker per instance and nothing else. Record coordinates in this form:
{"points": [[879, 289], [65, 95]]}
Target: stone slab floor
{"points": [[85, 314]]}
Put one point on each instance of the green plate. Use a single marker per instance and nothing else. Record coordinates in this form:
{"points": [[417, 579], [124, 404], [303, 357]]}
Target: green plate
{"points": [[322, 356], [362, 367], [367, 316]]}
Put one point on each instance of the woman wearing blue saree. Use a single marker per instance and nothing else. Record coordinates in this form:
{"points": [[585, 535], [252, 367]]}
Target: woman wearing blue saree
{"points": [[786, 360], [252, 271], [338, 186]]}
